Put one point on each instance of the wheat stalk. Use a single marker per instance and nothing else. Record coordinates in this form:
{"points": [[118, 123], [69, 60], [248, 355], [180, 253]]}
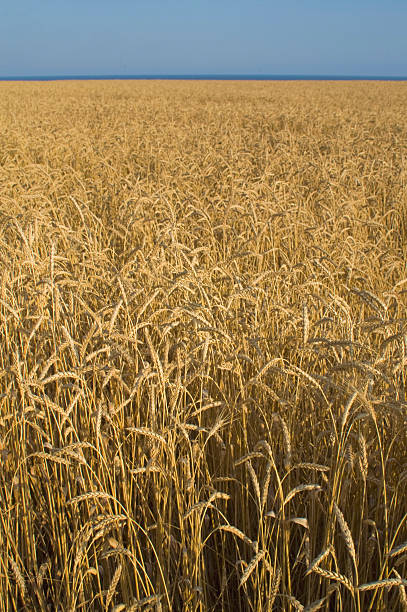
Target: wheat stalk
{"points": [[318, 560], [300, 489], [251, 567], [235, 531], [112, 588], [402, 591], [380, 584], [19, 577], [346, 532], [398, 550]]}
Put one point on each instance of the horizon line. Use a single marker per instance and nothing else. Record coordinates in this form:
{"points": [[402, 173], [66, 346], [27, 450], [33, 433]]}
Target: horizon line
{"points": [[203, 76]]}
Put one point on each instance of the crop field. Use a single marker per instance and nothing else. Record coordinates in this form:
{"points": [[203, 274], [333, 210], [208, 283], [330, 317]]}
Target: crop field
{"points": [[203, 346]]}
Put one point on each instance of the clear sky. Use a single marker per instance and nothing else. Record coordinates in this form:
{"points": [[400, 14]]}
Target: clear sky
{"points": [[101, 37]]}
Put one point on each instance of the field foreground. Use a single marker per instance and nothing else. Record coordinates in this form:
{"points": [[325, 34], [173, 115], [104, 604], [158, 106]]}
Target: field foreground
{"points": [[203, 354]]}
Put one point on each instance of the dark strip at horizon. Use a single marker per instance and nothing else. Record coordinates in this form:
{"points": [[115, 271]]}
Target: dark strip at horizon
{"points": [[204, 77]]}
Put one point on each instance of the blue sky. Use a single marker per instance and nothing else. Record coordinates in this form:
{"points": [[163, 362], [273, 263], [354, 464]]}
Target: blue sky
{"points": [[79, 37]]}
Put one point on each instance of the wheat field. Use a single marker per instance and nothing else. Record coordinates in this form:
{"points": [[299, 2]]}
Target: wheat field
{"points": [[203, 328]]}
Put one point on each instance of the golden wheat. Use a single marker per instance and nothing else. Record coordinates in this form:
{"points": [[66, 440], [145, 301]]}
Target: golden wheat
{"points": [[203, 346]]}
